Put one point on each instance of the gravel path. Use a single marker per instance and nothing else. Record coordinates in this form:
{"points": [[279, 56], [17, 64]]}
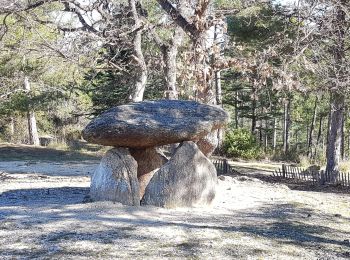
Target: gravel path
{"points": [[44, 215]]}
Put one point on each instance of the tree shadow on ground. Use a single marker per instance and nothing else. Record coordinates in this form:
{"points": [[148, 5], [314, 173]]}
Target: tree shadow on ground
{"points": [[282, 223], [45, 171], [25, 152], [44, 196], [292, 184]]}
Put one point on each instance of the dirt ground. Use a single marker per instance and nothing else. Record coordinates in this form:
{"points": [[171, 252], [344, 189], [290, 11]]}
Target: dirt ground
{"points": [[45, 214]]}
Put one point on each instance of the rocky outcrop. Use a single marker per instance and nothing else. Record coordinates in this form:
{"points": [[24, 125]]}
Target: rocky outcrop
{"points": [[154, 123], [115, 179], [148, 162], [187, 179]]}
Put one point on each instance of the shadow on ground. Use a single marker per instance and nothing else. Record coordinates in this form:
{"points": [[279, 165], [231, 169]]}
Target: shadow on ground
{"points": [[119, 227], [26, 152], [44, 197], [292, 184]]}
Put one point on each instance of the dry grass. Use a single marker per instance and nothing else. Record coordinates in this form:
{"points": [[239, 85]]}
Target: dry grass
{"points": [[264, 166]]}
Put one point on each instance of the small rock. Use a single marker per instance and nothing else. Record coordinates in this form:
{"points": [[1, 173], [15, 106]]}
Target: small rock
{"points": [[346, 254], [221, 178], [87, 199]]}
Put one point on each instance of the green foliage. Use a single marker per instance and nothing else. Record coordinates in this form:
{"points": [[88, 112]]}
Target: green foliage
{"points": [[241, 143], [255, 28], [293, 155], [109, 88], [228, 4]]}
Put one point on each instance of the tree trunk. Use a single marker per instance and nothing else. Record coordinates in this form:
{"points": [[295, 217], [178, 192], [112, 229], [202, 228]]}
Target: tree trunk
{"points": [[348, 153], [241, 108], [242, 122], [32, 128], [254, 112], [261, 134], [266, 139], [329, 116], [203, 49], [236, 109], [286, 126], [307, 134], [203, 75], [201, 38], [217, 73], [319, 135], [274, 141], [217, 79], [312, 127], [337, 97], [218, 88], [335, 130], [342, 146], [170, 70], [12, 129], [296, 134], [141, 77]]}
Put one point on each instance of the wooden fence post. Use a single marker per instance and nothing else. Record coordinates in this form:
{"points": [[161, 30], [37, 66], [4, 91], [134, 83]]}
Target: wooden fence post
{"points": [[322, 178], [225, 166], [284, 170]]}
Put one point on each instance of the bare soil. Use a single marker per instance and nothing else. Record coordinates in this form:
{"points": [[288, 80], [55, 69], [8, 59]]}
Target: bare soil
{"points": [[45, 214]]}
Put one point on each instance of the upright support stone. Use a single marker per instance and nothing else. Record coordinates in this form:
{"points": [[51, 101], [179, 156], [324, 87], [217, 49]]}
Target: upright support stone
{"points": [[148, 162], [115, 179], [208, 143], [187, 179]]}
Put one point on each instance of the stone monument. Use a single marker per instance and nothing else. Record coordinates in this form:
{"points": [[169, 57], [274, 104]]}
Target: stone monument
{"points": [[135, 171]]}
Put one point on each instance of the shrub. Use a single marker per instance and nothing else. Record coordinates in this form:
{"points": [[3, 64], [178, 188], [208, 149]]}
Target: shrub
{"points": [[242, 144], [293, 155], [304, 161], [344, 166]]}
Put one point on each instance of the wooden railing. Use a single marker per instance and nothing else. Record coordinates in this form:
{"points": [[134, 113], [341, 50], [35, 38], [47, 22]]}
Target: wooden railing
{"points": [[223, 167], [314, 176]]}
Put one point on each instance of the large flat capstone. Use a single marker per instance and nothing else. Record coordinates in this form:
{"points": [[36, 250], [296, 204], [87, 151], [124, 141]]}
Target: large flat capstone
{"points": [[154, 123]]}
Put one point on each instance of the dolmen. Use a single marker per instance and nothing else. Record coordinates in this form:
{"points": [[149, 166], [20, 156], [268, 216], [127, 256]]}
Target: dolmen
{"points": [[136, 172]]}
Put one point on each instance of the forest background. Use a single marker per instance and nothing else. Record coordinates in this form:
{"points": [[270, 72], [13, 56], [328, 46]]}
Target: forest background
{"points": [[280, 70]]}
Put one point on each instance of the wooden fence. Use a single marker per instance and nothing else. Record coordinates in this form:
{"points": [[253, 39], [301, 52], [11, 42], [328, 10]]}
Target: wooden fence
{"points": [[223, 167], [314, 176]]}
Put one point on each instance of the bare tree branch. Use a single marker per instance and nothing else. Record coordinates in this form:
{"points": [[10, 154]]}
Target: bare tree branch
{"points": [[179, 19]]}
